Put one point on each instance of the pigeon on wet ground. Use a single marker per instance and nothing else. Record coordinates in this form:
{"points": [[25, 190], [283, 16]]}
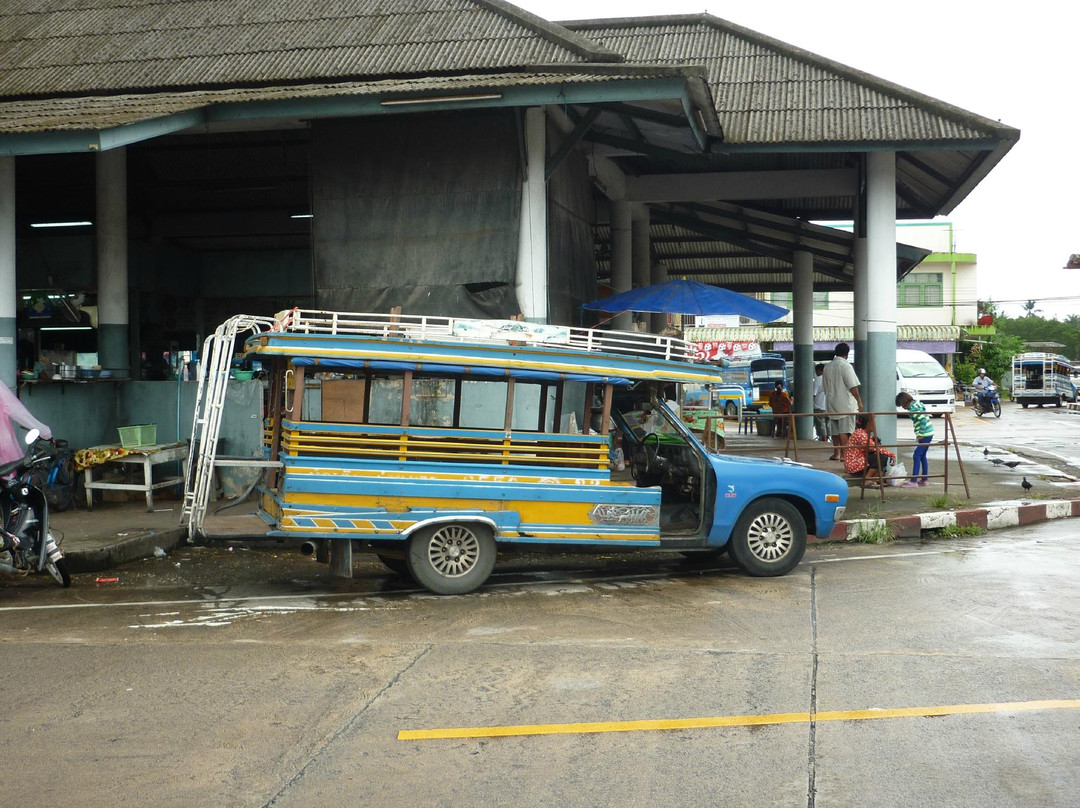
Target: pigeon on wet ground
{"points": [[986, 451], [997, 461], [1012, 463], [1025, 484]]}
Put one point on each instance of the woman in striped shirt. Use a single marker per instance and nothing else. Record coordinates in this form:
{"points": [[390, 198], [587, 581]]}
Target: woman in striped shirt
{"points": [[924, 434]]}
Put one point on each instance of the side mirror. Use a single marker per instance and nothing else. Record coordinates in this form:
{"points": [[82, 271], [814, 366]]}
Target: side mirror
{"points": [[32, 436]]}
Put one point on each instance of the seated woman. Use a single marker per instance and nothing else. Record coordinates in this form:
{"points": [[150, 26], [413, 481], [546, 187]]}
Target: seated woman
{"points": [[780, 404], [865, 456]]}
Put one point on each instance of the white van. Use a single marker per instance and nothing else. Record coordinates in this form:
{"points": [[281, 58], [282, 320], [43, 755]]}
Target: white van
{"points": [[919, 374]]}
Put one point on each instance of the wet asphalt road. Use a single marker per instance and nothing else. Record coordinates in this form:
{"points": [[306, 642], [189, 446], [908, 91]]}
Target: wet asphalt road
{"points": [[250, 678], [1051, 434]]}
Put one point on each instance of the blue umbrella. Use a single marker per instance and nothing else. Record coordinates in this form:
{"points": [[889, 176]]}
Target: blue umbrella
{"points": [[688, 297]]}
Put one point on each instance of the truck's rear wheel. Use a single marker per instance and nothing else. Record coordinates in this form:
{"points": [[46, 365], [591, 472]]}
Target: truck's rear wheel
{"points": [[453, 558], [396, 564], [769, 538]]}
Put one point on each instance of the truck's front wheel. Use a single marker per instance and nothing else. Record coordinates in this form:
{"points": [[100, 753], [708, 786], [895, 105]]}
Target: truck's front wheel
{"points": [[769, 538], [453, 558]]}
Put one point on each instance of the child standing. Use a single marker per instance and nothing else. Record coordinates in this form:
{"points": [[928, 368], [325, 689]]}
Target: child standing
{"points": [[924, 434]]}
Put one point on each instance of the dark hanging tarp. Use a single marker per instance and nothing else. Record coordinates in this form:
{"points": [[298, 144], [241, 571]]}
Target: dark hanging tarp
{"points": [[571, 218], [418, 211]]}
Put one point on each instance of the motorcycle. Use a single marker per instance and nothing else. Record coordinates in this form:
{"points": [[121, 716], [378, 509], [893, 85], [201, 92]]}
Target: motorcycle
{"points": [[988, 402], [25, 537]]}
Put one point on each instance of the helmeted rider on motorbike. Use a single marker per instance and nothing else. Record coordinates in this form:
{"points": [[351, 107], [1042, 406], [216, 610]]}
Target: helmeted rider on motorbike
{"points": [[982, 385]]}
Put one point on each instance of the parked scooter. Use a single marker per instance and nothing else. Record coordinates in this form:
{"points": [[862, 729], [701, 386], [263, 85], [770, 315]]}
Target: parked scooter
{"points": [[988, 402], [26, 543]]}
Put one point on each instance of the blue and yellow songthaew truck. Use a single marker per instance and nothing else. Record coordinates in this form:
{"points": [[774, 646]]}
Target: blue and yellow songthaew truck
{"points": [[438, 443]]}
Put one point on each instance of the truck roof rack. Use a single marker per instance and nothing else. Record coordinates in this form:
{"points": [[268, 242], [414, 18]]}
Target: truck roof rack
{"points": [[456, 329]]}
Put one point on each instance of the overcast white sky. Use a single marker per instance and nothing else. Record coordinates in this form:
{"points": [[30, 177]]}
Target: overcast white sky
{"points": [[1017, 63]]}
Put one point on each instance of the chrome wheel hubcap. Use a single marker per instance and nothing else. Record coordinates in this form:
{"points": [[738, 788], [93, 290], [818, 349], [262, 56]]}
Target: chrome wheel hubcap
{"points": [[453, 551], [770, 537]]}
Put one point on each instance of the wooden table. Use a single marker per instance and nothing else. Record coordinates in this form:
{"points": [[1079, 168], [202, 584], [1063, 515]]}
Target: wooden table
{"points": [[145, 456]]}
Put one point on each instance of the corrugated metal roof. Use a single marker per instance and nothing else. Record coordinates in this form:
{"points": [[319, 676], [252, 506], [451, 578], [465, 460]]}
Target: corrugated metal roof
{"points": [[768, 92], [99, 46], [109, 111]]}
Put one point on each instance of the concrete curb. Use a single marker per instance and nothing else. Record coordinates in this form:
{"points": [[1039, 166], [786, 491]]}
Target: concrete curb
{"points": [[132, 548], [989, 517]]}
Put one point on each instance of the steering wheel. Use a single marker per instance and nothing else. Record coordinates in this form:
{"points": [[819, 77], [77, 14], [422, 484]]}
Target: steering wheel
{"points": [[645, 457]]}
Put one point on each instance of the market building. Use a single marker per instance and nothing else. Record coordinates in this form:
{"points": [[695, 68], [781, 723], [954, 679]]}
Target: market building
{"points": [[463, 158]]}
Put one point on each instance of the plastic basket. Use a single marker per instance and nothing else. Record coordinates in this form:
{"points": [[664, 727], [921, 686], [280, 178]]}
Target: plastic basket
{"points": [[133, 437]]}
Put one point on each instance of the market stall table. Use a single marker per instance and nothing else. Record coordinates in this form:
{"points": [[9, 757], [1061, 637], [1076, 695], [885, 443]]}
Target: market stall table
{"points": [[147, 457]]}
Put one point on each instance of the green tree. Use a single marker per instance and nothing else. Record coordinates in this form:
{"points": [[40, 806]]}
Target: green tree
{"points": [[997, 356], [1030, 308], [1032, 328], [964, 371]]}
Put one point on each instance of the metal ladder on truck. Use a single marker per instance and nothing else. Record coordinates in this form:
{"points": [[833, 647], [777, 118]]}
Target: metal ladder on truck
{"points": [[209, 404]]}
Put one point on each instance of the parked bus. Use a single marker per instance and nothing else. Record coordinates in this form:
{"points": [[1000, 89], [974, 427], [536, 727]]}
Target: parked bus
{"points": [[436, 443], [1042, 378], [748, 382]]}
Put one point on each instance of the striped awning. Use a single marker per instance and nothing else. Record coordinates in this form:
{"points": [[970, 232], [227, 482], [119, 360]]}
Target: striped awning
{"points": [[829, 333]]}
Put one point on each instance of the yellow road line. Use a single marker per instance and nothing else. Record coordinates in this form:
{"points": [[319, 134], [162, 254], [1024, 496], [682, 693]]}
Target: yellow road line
{"points": [[732, 720]]}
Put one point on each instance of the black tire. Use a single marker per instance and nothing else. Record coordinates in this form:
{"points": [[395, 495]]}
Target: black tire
{"points": [[1024, 404], [452, 558], [395, 564], [997, 409], [731, 409], [769, 539], [709, 556], [61, 494], [59, 571]]}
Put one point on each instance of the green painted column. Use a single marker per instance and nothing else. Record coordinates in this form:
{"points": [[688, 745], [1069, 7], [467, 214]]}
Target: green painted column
{"points": [[802, 333], [8, 288], [860, 301], [880, 383]]}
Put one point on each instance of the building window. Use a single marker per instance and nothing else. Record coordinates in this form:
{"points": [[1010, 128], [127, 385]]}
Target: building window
{"points": [[920, 289], [821, 299]]}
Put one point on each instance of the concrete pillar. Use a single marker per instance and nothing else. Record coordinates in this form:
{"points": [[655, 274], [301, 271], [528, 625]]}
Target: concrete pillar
{"points": [[112, 260], [640, 249], [859, 307], [659, 320], [531, 285], [621, 263], [802, 308], [880, 382], [8, 287]]}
